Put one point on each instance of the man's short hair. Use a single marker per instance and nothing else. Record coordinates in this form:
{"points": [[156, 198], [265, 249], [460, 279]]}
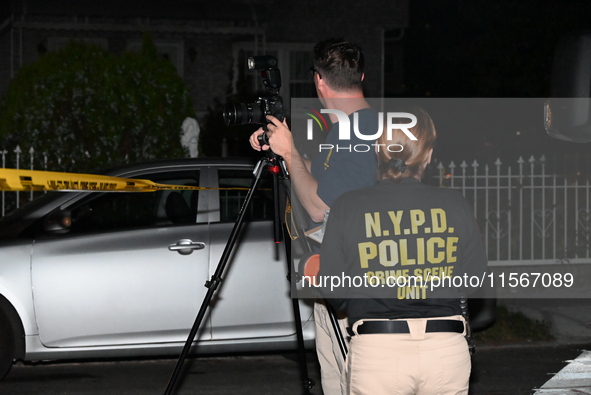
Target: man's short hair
{"points": [[340, 63]]}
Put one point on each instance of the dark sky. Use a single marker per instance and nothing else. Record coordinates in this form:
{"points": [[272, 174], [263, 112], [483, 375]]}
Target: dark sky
{"points": [[4, 10], [490, 49], [501, 48]]}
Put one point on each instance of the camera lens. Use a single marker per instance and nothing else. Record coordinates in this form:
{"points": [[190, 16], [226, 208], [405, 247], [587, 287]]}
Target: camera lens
{"points": [[233, 113], [242, 114]]}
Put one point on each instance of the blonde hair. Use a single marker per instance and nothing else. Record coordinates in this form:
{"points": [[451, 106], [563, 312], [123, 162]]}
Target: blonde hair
{"points": [[412, 159]]}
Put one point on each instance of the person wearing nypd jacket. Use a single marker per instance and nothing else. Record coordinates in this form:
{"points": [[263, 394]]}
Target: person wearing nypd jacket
{"points": [[399, 257]]}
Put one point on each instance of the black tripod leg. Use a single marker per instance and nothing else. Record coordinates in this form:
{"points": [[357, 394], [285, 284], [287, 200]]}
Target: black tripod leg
{"points": [[215, 280], [305, 379]]}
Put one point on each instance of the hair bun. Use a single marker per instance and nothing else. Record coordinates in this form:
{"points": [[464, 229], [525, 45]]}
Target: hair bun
{"points": [[397, 165]]}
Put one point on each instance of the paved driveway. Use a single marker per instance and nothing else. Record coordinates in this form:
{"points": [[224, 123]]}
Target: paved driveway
{"points": [[507, 370]]}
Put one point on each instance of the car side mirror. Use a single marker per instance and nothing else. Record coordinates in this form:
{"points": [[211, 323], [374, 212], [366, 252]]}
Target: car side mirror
{"points": [[59, 221], [567, 114]]}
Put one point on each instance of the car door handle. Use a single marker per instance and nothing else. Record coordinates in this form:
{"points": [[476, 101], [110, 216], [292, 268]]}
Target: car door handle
{"points": [[186, 246]]}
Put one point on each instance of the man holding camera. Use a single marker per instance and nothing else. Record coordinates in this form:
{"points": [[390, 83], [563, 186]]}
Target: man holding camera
{"points": [[338, 75]]}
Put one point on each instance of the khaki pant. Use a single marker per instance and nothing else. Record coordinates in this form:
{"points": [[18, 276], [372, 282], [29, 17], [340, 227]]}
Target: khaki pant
{"points": [[332, 365], [417, 363]]}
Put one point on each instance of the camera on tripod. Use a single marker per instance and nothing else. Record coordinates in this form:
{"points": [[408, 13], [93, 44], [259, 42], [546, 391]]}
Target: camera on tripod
{"points": [[268, 104]]}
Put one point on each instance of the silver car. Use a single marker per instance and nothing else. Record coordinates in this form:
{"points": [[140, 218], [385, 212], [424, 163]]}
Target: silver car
{"points": [[88, 274]]}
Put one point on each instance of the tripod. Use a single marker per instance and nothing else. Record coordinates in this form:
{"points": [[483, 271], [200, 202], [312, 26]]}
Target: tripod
{"points": [[275, 167]]}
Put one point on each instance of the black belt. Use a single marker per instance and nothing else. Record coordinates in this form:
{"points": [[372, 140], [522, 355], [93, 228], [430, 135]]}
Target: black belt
{"points": [[375, 327]]}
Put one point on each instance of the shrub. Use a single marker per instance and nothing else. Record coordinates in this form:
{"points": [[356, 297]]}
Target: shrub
{"points": [[86, 108]]}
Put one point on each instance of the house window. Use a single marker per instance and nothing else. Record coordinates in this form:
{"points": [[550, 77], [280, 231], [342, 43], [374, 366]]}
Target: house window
{"points": [[294, 61], [170, 50]]}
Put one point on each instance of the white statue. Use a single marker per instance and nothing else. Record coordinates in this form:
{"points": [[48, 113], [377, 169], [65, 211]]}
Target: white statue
{"points": [[190, 136]]}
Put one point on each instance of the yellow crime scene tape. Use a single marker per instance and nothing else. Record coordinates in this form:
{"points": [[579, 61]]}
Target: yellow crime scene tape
{"points": [[37, 180]]}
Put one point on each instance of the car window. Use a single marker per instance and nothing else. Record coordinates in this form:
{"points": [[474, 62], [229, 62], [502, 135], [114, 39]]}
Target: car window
{"points": [[261, 206], [116, 211]]}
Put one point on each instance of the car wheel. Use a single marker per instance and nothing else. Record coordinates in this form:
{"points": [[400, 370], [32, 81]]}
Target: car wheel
{"points": [[7, 346]]}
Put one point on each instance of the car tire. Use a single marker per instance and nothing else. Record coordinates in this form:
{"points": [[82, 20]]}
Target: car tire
{"points": [[7, 346]]}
